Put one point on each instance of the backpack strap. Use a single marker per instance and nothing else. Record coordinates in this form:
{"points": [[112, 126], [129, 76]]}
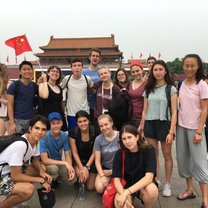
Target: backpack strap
{"points": [[168, 96], [67, 87]]}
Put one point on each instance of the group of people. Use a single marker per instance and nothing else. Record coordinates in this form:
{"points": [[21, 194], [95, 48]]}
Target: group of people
{"points": [[92, 147]]}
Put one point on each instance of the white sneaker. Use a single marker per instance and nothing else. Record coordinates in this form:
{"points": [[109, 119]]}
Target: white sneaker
{"points": [[167, 190], [159, 185]]}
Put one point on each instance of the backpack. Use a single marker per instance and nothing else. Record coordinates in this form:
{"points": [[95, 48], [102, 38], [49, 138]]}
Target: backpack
{"points": [[121, 109], [36, 94], [168, 96], [88, 86], [5, 141]]}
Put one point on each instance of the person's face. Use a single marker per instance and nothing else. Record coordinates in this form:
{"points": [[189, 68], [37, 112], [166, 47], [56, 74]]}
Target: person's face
{"points": [[190, 67], [150, 63], [136, 72], [26, 71], [54, 74], [104, 74], [77, 68], [83, 123], [159, 72], [38, 131], [94, 58], [121, 77], [130, 141], [56, 126], [105, 125]]}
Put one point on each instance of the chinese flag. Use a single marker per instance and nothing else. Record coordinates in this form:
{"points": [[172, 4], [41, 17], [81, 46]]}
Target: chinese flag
{"points": [[19, 43], [7, 59], [159, 55], [140, 55]]}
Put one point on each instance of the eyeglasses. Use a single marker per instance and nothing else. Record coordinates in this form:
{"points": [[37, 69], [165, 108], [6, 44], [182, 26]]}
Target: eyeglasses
{"points": [[119, 75], [55, 71]]}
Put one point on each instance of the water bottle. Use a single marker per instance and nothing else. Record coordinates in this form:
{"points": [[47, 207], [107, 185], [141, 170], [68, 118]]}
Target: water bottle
{"points": [[82, 191]]}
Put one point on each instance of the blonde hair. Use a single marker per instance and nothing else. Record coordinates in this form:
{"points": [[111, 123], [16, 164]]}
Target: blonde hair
{"points": [[105, 116], [4, 78], [104, 67]]}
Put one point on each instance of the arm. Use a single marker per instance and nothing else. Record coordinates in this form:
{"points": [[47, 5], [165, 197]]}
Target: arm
{"points": [[68, 165], [3, 100], [43, 90], [144, 113], [13, 127], [174, 101], [198, 135]]}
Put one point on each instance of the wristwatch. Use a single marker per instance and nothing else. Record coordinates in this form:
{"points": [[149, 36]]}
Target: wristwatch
{"points": [[88, 167]]}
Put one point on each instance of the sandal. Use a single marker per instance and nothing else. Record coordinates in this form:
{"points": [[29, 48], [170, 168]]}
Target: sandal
{"points": [[185, 195]]}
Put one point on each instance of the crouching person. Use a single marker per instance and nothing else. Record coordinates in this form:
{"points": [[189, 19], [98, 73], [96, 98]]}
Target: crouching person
{"points": [[139, 170], [51, 147], [16, 184]]}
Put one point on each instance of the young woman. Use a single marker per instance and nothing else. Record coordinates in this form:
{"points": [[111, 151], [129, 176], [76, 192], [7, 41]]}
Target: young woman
{"points": [[139, 170], [135, 91], [81, 141], [50, 93], [191, 144], [159, 117], [106, 145], [4, 79], [121, 78]]}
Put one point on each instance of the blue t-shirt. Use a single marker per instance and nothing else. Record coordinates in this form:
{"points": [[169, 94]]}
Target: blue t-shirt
{"points": [[54, 146], [23, 100], [95, 78]]}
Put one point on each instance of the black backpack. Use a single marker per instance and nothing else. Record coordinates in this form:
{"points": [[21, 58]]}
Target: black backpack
{"points": [[121, 109], [5, 141]]}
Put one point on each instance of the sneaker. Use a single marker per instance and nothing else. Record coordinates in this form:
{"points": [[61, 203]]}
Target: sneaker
{"points": [[55, 185], [159, 185], [167, 190]]}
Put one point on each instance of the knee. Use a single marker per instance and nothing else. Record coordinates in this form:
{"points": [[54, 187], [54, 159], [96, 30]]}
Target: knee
{"points": [[28, 191], [151, 194], [99, 188], [53, 170]]}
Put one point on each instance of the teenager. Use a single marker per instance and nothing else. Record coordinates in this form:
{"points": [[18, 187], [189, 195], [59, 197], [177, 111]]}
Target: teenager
{"points": [[18, 185], [121, 78], [191, 143], [51, 147], [139, 170], [159, 117], [82, 140], [106, 145]]}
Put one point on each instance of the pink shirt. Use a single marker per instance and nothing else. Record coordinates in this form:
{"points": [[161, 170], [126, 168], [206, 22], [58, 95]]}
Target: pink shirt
{"points": [[189, 104]]}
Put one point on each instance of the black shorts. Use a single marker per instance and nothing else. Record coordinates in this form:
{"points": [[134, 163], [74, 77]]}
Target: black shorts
{"points": [[156, 129]]}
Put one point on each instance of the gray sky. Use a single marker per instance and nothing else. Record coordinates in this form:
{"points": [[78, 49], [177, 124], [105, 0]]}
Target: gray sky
{"points": [[173, 28]]}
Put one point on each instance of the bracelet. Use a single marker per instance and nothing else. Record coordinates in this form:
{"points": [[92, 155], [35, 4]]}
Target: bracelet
{"points": [[102, 176], [171, 133], [129, 191], [45, 180], [198, 133]]}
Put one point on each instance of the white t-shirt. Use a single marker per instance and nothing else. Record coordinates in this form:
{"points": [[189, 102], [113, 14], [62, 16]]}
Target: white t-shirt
{"points": [[77, 94], [190, 97], [14, 154]]}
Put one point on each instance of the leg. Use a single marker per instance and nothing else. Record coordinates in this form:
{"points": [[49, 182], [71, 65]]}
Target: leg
{"points": [[91, 182], [53, 171], [100, 188], [166, 150], [21, 192], [204, 191], [149, 195]]}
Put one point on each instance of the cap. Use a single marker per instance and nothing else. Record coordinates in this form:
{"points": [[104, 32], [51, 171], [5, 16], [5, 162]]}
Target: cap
{"points": [[54, 115], [136, 63]]}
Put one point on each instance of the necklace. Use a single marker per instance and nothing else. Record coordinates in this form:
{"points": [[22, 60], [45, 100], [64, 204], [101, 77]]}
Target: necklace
{"points": [[52, 85]]}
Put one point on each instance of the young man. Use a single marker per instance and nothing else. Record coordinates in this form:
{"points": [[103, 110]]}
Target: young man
{"points": [[150, 61], [15, 183], [92, 71], [76, 86], [21, 97], [51, 147]]}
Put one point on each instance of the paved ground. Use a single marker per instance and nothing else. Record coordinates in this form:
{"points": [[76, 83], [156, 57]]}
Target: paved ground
{"points": [[67, 197]]}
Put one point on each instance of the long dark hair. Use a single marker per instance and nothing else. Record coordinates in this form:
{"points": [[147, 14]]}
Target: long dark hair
{"points": [[80, 114], [151, 84], [200, 72], [116, 78], [132, 130]]}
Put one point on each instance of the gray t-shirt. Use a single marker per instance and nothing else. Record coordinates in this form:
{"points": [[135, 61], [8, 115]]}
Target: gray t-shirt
{"points": [[107, 149], [157, 103]]}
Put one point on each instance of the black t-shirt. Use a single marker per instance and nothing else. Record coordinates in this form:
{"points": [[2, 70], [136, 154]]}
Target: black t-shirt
{"points": [[136, 165], [84, 149]]}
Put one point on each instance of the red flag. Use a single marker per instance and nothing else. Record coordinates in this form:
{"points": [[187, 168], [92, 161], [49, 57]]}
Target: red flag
{"points": [[19, 43], [7, 59], [140, 55], [16, 59], [131, 56], [159, 55]]}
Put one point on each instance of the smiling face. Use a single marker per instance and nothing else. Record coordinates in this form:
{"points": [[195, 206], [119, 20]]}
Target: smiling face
{"points": [[130, 141], [54, 74], [190, 67], [56, 126], [136, 72], [38, 131], [121, 77], [83, 123], [26, 71], [159, 72], [106, 126], [104, 74]]}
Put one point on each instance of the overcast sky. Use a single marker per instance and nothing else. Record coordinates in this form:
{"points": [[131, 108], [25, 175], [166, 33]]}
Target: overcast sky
{"points": [[171, 27]]}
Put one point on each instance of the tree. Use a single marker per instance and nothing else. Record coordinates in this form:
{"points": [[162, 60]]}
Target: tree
{"points": [[175, 66]]}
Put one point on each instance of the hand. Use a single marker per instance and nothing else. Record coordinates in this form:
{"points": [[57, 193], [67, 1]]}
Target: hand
{"points": [[44, 76], [45, 175], [146, 77], [13, 128], [47, 187], [197, 138], [104, 181], [85, 174], [127, 204], [123, 197], [169, 139], [107, 172], [70, 169]]}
